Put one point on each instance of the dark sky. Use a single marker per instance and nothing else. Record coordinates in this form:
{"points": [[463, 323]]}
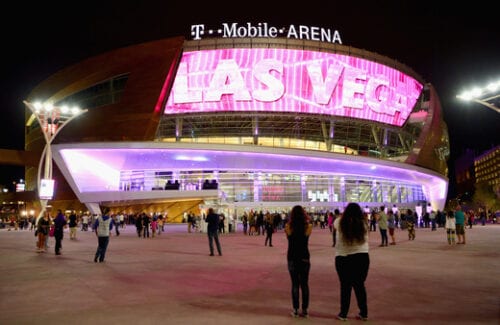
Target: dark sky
{"points": [[450, 47]]}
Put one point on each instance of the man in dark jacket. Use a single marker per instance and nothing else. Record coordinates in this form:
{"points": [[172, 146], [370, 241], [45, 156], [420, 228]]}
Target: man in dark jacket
{"points": [[212, 220], [59, 224]]}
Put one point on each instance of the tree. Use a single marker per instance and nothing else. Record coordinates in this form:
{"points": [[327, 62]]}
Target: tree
{"points": [[485, 197]]}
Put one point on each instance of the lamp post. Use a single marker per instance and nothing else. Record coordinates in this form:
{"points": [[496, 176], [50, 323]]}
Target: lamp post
{"points": [[486, 96], [51, 119]]}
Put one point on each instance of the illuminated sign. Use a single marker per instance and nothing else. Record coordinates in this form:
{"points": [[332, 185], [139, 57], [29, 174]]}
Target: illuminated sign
{"points": [[318, 196], [283, 80], [46, 189], [250, 30]]}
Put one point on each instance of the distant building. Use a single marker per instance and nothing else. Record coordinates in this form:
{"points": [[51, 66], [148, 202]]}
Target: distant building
{"points": [[464, 173], [472, 168], [487, 168]]}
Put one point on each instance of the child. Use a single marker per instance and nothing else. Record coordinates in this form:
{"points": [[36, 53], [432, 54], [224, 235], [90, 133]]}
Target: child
{"points": [[450, 227], [154, 226]]}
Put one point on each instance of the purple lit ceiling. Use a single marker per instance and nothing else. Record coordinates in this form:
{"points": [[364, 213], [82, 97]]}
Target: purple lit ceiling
{"points": [[96, 167]]}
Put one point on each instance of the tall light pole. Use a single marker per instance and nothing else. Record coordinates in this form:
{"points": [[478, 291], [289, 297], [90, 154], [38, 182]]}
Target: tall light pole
{"points": [[487, 96], [51, 119]]}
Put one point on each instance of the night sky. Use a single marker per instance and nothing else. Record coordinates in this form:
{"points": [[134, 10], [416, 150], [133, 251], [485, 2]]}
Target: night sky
{"points": [[450, 47]]}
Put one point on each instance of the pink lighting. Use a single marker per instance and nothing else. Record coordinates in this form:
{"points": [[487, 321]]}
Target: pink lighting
{"points": [[283, 80]]}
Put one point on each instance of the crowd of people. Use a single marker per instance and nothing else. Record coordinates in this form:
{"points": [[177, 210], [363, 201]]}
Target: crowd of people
{"points": [[349, 230]]}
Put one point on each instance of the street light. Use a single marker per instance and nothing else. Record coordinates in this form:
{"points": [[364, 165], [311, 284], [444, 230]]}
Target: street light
{"points": [[51, 119], [487, 96]]}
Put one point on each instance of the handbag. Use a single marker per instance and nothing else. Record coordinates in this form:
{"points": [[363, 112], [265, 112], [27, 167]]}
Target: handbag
{"points": [[51, 231]]}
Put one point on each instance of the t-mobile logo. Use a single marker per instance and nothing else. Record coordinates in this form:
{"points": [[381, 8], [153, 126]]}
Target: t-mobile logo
{"points": [[197, 31]]}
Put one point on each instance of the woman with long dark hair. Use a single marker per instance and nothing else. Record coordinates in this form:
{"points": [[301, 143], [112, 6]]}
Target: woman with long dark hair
{"points": [[351, 259], [297, 231]]}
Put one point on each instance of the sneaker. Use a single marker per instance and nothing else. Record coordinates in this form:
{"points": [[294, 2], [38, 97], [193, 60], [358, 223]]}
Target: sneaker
{"points": [[362, 318], [295, 313], [341, 318], [304, 314]]}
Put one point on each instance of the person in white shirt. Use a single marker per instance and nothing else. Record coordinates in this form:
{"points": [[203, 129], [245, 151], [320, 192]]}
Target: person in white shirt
{"points": [[450, 227], [352, 260]]}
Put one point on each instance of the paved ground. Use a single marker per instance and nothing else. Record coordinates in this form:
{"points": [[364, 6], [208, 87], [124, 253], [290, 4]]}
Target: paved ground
{"points": [[171, 279]]}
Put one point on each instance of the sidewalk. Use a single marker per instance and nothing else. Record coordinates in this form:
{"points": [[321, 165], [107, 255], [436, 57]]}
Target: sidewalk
{"points": [[171, 279]]}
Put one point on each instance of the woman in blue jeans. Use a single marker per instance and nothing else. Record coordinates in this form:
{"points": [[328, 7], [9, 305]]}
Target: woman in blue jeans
{"points": [[352, 260], [297, 230]]}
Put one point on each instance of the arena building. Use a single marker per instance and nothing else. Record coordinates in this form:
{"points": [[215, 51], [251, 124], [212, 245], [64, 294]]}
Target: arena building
{"points": [[242, 123]]}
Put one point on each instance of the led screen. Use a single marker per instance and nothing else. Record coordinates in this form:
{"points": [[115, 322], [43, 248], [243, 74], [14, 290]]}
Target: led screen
{"points": [[283, 80], [46, 191]]}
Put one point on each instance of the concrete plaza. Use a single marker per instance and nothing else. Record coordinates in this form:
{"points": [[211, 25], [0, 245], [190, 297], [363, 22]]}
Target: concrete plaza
{"points": [[171, 279]]}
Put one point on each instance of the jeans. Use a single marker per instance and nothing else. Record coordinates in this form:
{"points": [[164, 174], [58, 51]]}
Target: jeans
{"points": [[383, 235], [58, 236], [101, 248], [213, 235], [299, 274], [352, 271], [145, 229]]}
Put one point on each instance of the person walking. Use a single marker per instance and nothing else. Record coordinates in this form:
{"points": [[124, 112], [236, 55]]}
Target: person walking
{"points": [[73, 223], [116, 222], [213, 222], [269, 226], [470, 218], [352, 260], [190, 222], [382, 226], [329, 221], [336, 215], [160, 224], [410, 224], [244, 221], [59, 225], [297, 230], [42, 231], [432, 217], [460, 224], [146, 224], [102, 228], [373, 221], [154, 226], [450, 227], [138, 225], [85, 222], [391, 226]]}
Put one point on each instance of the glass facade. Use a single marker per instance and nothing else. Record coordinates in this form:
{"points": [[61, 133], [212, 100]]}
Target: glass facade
{"points": [[104, 93], [311, 132], [242, 186]]}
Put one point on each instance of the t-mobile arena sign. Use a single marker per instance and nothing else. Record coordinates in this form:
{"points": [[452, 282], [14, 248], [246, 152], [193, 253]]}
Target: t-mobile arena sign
{"points": [[250, 30], [283, 80]]}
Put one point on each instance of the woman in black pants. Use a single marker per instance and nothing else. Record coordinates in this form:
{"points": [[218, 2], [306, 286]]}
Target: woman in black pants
{"points": [[352, 260], [298, 229]]}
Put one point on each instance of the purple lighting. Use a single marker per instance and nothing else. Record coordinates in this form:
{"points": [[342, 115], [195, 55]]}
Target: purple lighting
{"points": [[96, 168]]}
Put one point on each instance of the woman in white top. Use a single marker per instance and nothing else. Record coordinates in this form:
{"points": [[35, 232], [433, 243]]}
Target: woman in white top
{"points": [[351, 259], [450, 227]]}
